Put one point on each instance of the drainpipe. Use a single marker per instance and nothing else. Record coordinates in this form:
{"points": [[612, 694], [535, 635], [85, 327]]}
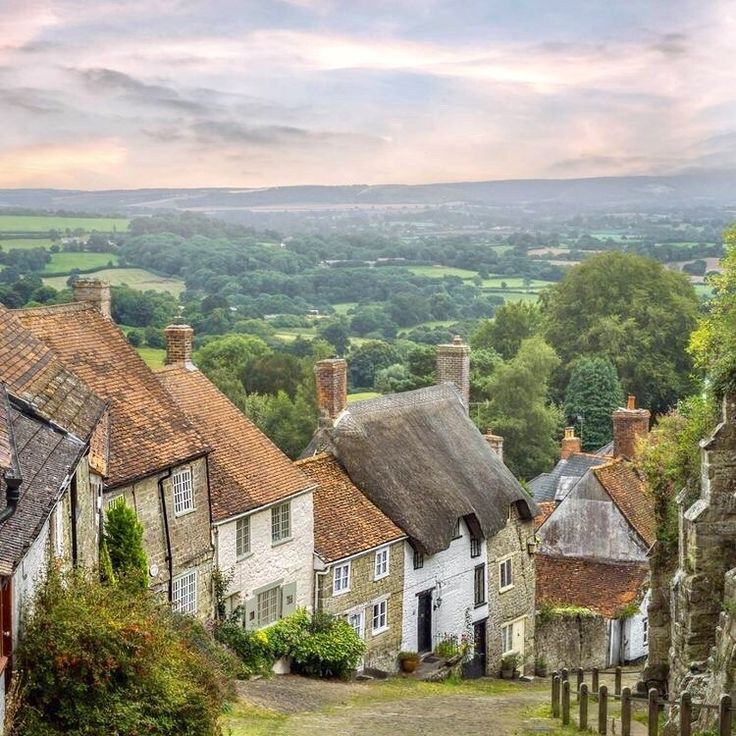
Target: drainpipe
{"points": [[167, 533]]}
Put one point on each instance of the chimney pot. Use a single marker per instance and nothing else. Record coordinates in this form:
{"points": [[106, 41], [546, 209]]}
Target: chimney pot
{"points": [[495, 441], [179, 340], [453, 366], [629, 426], [332, 388], [570, 443], [94, 292], [631, 402]]}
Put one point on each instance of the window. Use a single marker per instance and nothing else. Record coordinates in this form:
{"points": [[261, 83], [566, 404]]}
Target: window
{"points": [[380, 617], [380, 569], [280, 522], [242, 536], [456, 534], [268, 606], [418, 560], [474, 546], [479, 585], [645, 631], [341, 579], [506, 579], [507, 638], [184, 593], [183, 492], [356, 621]]}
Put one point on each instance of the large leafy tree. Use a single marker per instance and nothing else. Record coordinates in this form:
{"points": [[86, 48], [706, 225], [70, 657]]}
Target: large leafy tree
{"points": [[633, 311], [512, 323], [592, 395]]}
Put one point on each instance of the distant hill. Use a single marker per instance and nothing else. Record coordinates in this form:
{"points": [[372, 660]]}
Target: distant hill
{"points": [[716, 189]]}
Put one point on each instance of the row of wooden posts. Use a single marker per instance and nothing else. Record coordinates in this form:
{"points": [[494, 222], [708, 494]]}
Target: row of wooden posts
{"points": [[561, 704]]}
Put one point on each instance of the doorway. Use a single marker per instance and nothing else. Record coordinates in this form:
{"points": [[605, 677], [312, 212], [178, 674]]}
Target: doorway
{"points": [[476, 666], [424, 622]]}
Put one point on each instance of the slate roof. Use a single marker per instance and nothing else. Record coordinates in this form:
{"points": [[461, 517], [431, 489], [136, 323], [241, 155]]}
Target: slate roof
{"points": [[47, 456], [421, 460], [603, 587], [345, 521], [148, 432], [556, 485], [247, 470], [632, 496], [34, 373]]}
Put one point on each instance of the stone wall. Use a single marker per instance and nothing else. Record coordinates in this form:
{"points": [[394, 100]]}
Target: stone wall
{"points": [[88, 517], [572, 641], [662, 565], [381, 649]]}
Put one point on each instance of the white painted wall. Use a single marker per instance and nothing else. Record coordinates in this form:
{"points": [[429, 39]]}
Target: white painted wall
{"points": [[290, 561], [450, 574], [634, 647]]}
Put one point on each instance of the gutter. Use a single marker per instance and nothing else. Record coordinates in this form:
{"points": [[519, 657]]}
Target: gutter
{"points": [[167, 532]]}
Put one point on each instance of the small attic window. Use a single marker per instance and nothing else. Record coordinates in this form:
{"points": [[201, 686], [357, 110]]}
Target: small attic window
{"points": [[456, 533]]}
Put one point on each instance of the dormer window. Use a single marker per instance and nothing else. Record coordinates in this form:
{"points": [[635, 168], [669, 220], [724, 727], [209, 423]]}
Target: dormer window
{"points": [[456, 533]]}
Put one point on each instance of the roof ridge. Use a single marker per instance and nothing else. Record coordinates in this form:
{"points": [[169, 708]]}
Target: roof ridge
{"points": [[54, 308], [312, 458]]}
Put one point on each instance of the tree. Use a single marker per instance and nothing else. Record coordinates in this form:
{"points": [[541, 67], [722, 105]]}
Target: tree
{"points": [[631, 310], [517, 408], [368, 359], [231, 352], [593, 393], [512, 323], [269, 374], [337, 334], [124, 541]]}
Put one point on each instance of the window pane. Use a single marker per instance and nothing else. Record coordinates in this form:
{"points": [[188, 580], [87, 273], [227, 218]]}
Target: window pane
{"points": [[280, 522], [184, 593], [268, 604], [183, 491], [242, 536]]}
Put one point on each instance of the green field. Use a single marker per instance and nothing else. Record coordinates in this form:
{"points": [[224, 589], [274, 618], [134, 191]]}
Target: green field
{"points": [[344, 308], [154, 357], [439, 272], [520, 296], [65, 262], [136, 278], [513, 282], [362, 396], [24, 243], [43, 223]]}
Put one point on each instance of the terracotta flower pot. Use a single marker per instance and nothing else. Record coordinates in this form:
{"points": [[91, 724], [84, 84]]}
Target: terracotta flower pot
{"points": [[409, 665]]}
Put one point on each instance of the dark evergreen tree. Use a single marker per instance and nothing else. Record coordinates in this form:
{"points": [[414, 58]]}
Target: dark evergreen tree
{"points": [[124, 541]]}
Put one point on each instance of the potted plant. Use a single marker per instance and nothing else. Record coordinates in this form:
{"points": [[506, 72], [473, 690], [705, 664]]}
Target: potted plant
{"points": [[540, 666], [508, 666], [408, 661]]}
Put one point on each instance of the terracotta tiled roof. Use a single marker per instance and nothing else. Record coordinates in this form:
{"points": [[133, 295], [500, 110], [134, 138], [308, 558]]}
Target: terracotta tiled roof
{"points": [[6, 432], [345, 521], [35, 374], [546, 508], [631, 494], [148, 432], [247, 470], [603, 587]]}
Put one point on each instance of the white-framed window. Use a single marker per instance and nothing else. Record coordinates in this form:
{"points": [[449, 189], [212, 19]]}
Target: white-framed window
{"points": [[183, 491], [645, 631], [505, 574], [341, 579], [184, 593], [380, 567], [242, 536], [507, 638], [112, 502], [268, 606], [418, 560], [380, 617], [280, 522], [475, 546], [479, 585], [356, 619]]}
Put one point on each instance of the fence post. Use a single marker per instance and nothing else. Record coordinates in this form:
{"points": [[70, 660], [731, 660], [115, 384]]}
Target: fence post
{"points": [[725, 716], [602, 709], [653, 716], [594, 680], [626, 712], [564, 675], [581, 678], [583, 716], [617, 682], [686, 714], [556, 696], [566, 703]]}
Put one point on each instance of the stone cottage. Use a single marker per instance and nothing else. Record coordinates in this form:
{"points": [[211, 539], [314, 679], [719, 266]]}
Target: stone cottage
{"points": [[359, 562], [468, 565], [157, 460], [262, 508]]}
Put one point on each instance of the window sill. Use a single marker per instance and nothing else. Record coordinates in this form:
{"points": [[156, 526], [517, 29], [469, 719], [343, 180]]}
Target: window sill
{"points": [[279, 542], [337, 594], [240, 558], [380, 577], [480, 605], [506, 589], [186, 512], [377, 632]]}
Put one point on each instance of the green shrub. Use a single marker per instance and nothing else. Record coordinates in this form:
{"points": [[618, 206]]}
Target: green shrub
{"points": [[124, 541], [103, 659], [252, 647]]}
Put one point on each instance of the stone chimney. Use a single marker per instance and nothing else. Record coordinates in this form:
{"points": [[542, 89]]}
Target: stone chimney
{"points": [[570, 443], [331, 376], [95, 292], [495, 442], [629, 425], [178, 344], [453, 365]]}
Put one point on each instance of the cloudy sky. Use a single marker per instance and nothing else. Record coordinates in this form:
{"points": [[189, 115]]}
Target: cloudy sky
{"points": [[102, 94]]}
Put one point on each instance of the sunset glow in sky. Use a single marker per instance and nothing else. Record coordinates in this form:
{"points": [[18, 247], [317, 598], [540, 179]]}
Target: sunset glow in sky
{"points": [[190, 93]]}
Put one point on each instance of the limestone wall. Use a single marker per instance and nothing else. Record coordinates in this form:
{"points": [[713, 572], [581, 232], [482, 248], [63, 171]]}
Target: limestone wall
{"points": [[572, 641]]}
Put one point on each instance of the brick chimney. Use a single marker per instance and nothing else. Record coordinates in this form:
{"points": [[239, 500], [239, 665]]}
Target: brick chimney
{"points": [[331, 376], [178, 344], [453, 365], [495, 441], [95, 292], [629, 425], [570, 443]]}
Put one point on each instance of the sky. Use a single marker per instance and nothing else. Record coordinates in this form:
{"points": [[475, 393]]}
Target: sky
{"points": [[255, 93]]}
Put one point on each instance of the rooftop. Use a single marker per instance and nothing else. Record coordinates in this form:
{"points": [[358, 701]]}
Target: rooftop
{"points": [[555, 485]]}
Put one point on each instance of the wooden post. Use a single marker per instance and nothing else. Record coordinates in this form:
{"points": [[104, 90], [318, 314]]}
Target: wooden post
{"points": [[725, 716], [626, 712], [564, 675], [581, 678], [556, 696], [617, 682], [686, 714], [602, 709], [583, 716], [566, 703], [653, 716], [594, 680]]}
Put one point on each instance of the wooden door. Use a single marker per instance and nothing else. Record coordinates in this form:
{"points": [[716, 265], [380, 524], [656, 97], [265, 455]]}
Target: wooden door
{"points": [[424, 622]]}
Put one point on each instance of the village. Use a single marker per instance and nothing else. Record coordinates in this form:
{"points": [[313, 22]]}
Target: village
{"points": [[400, 516]]}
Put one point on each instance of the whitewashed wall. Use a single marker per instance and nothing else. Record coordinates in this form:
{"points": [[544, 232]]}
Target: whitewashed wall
{"points": [[450, 573], [290, 561], [635, 647]]}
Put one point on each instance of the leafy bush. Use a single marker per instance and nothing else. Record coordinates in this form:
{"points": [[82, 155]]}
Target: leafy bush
{"points": [[103, 659], [252, 647], [123, 537]]}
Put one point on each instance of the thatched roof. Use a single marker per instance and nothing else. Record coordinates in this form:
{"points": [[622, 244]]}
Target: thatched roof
{"points": [[419, 458]]}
